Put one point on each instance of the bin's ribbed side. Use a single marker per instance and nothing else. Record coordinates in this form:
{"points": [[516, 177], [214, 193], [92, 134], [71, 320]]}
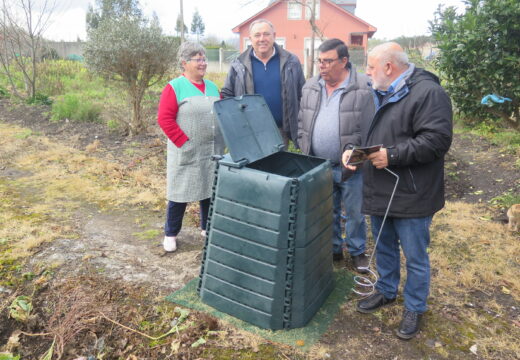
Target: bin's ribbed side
{"points": [[208, 226], [291, 251]]}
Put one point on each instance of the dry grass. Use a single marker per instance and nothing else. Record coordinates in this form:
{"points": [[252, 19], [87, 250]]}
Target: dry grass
{"points": [[471, 253], [32, 214], [74, 175], [476, 280]]}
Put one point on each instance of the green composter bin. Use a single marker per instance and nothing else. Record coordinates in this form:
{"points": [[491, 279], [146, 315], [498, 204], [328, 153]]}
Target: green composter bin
{"points": [[268, 253]]}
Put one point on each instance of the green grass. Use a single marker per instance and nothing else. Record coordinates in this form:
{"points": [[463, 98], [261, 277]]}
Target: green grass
{"points": [[506, 200], [75, 108]]}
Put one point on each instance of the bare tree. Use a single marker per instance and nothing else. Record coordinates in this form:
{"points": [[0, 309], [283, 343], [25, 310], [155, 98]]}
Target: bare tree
{"points": [[315, 31], [22, 25]]}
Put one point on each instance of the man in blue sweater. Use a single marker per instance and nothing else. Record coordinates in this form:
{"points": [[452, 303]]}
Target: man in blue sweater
{"points": [[271, 71]]}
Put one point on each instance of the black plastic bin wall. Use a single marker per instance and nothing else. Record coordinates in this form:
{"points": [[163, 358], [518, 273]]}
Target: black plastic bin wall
{"points": [[268, 253]]}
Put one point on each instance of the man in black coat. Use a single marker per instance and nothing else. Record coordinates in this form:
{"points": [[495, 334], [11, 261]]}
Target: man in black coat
{"points": [[413, 122]]}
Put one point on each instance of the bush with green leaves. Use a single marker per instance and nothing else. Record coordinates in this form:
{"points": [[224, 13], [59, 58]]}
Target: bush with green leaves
{"points": [[479, 55]]}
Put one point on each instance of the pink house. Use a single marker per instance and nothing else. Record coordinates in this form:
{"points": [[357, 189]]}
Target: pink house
{"points": [[334, 18]]}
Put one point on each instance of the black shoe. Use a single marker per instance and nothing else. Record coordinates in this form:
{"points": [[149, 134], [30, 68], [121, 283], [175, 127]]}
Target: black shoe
{"points": [[337, 256], [373, 302], [360, 263], [409, 326]]}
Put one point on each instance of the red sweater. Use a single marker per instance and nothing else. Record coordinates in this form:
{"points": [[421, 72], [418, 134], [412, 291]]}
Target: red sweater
{"points": [[167, 114]]}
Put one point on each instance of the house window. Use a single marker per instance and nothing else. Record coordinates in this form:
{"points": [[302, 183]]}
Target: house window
{"points": [[308, 7], [356, 40], [294, 10], [281, 42]]}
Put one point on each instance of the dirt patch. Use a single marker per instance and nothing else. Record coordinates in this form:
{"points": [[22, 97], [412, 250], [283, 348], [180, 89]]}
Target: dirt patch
{"points": [[115, 264], [478, 172], [110, 243]]}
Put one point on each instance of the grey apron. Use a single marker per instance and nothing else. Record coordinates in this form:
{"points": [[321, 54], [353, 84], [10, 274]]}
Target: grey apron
{"points": [[190, 170]]}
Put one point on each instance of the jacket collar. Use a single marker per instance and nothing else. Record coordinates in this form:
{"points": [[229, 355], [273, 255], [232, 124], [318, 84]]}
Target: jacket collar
{"points": [[396, 91], [352, 84]]}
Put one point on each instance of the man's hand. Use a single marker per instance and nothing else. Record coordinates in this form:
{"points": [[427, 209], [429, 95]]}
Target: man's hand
{"points": [[344, 159], [379, 159]]}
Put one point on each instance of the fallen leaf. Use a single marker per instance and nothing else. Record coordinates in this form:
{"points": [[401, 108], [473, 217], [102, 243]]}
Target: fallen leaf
{"points": [[175, 346], [14, 341], [198, 343], [506, 290]]}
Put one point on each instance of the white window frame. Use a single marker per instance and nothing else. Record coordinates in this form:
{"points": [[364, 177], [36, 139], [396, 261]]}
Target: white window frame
{"points": [[308, 10], [292, 8], [306, 46]]}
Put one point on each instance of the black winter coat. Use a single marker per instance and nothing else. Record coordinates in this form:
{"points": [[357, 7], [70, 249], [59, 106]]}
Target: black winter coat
{"points": [[415, 125]]}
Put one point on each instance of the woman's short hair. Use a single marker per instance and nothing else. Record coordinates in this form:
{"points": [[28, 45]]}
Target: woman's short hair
{"points": [[189, 49]]}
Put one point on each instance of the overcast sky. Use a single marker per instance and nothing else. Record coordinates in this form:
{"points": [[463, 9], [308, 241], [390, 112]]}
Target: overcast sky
{"points": [[391, 18]]}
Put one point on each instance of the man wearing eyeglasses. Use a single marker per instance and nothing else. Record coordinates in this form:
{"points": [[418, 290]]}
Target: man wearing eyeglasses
{"points": [[333, 105], [271, 71]]}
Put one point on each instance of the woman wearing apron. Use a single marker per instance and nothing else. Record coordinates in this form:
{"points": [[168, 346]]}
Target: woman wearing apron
{"points": [[186, 117]]}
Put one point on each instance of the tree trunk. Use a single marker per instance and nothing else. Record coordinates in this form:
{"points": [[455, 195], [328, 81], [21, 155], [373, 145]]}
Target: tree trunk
{"points": [[312, 20], [136, 124]]}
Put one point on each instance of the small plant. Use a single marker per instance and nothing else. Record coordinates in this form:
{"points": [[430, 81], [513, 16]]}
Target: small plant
{"points": [[20, 309], [506, 200], [24, 134], [39, 99], [112, 124], [70, 107], [9, 356], [3, 93]]}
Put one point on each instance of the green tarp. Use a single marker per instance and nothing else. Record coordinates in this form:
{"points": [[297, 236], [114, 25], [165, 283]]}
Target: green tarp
{"points": [[302, 338]]}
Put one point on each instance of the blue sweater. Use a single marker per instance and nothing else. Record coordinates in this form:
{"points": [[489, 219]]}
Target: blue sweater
{"points": [[267, 81]]}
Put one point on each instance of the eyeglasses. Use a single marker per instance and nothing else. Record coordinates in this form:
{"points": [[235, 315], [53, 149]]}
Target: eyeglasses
{"points": [[325, 62], [201, 60]]}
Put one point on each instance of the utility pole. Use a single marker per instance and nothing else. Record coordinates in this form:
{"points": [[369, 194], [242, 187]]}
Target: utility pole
{"points": [[182, 23]]}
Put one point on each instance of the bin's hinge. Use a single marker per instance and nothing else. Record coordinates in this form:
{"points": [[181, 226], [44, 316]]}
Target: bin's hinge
{"points": [[235, 164], [279, 147], [291, 252]]}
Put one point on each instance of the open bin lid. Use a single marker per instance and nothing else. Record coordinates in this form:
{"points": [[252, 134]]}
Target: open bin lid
{"points": [[248, 127]]}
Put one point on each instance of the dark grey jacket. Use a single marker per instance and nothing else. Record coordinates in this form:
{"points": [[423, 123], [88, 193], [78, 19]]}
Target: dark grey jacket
{"points": [[415, 124], [356, 107], [239, 81]]}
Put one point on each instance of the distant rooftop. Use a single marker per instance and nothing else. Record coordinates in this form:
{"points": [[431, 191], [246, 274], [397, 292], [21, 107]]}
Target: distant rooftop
{"points": [[349, 5]]}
